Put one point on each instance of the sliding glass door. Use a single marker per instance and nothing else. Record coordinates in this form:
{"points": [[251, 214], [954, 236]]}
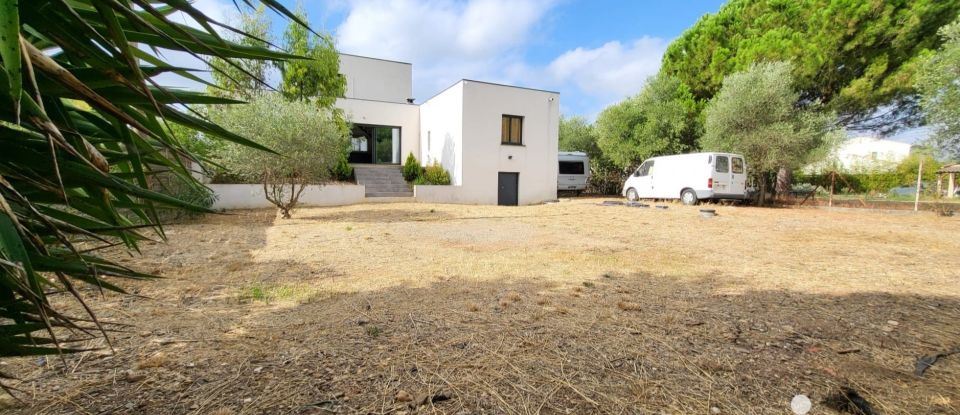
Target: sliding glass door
{"points": [[375, 144], [387, 145]]}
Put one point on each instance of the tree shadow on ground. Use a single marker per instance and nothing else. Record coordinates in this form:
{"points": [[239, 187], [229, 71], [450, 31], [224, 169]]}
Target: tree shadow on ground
{"points": [[375, 215], [605, 343]]}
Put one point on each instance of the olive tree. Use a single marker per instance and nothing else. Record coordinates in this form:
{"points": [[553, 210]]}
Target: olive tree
{"points": [[309, 141], [758, 113]]}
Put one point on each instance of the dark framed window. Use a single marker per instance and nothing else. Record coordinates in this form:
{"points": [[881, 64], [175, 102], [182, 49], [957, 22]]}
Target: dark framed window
{"points": [[378, 144], [723, 164], [511, 130], [571, 167], [737, 165], [359, 144]]}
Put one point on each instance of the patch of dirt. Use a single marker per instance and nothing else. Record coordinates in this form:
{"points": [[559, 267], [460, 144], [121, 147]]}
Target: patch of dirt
{"points": [[564, 308]]}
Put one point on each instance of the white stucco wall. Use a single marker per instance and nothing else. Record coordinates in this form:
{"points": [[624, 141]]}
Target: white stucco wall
{"points": [[441, 131], [869, 153], [445, 194], [250, 196], [405, 116], [377, 79], [484, 105]]}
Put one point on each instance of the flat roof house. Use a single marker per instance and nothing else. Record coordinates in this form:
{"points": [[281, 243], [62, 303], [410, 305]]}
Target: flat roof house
{"points": [[868, 153], [499, 143]]}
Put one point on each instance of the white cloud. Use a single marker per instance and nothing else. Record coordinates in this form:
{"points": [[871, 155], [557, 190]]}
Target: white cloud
{"points": [[613, 70], [446, 40]]}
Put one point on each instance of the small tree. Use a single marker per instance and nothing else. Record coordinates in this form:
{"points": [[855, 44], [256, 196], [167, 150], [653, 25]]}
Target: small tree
{"points": [[317, 78], [940, 91], [756, 113], [576, 134], [660, 120], [310, 140], [434, 174], [342, 171], [906, 171], [244, 78], [411, 168]]}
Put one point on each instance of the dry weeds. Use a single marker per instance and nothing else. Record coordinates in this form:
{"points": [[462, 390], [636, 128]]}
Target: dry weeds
{"points": [[340, 309]]}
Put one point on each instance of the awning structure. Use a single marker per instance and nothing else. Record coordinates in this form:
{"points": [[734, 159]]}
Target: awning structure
{"points": [[951, 171]]}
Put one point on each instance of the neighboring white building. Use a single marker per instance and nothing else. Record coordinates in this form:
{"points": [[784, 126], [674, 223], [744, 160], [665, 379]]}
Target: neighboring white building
{"points": [[499, 143], [865, 154]]}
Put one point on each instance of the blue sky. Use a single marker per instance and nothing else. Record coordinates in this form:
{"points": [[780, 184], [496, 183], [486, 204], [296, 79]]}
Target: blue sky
{"points": [[593, 52]]}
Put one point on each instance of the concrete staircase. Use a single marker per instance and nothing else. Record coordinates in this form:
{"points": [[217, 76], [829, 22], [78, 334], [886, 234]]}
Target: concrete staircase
{"points": [[382, 181]]}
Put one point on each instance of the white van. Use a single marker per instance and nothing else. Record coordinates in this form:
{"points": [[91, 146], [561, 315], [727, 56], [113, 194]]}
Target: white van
{"points": [[574, 171], [689, 177]]}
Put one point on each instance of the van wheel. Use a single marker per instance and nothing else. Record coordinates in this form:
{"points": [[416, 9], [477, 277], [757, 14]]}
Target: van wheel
{"points": [[632, 195], [688, 197]]}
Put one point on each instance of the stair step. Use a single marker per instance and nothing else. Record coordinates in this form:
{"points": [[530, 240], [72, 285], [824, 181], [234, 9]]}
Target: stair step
{"points": [[388, 189], [383, 182], [389, 194]]}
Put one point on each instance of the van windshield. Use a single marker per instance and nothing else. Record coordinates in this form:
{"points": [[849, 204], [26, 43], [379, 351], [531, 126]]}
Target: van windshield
{"points": [[571, 167], [645, 168]]}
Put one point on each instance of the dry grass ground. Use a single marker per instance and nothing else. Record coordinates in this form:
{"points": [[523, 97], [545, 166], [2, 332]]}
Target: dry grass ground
{"points": [[564, 308]]}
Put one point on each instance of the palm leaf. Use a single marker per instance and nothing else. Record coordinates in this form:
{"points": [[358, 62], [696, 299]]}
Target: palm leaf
{"points": [[10, 50], [86, 132]]}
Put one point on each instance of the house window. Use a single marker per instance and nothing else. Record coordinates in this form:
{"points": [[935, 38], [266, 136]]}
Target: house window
{"points": [[511, 130], [374, 144], [359, 143]]}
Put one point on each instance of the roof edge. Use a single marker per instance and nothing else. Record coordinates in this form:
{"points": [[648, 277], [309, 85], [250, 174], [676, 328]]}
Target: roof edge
{"points": [[510, 86], [488, 83], [376, 59]]}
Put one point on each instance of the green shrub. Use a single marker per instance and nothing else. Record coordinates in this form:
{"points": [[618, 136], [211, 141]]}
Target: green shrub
{"points": [[190, 192], [905, 174], [342, 171], [411, 168], [434, 174]]}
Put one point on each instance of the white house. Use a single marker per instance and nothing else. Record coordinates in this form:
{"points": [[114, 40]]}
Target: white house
{"points": [[864, 154], [499, 143]]}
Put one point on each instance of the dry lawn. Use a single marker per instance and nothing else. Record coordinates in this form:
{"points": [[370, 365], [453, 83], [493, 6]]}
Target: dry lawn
{"points": [[563, 308]]}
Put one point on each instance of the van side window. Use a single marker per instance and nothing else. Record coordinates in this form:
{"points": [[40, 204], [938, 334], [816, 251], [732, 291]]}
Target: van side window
{"points": [[723, 164], [644, 169], [737, 165], [571, 167]]}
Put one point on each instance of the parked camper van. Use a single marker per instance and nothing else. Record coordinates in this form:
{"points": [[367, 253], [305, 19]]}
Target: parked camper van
{"points": [[574, 171], [689, 177]]}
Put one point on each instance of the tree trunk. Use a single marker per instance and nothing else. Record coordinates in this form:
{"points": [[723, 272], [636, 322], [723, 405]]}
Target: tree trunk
{"points": [[763, 190], [784, 182]]}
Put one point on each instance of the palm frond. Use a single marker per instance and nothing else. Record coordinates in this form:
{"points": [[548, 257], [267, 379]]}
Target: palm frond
{"points": [[85, 126]]}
